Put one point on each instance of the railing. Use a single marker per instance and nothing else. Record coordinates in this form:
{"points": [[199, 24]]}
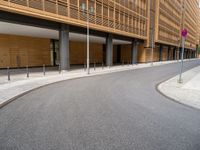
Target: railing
{"points": [[112, 15]]}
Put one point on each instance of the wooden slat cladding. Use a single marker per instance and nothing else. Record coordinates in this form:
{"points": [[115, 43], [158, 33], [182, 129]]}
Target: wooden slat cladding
{"points": [[190, 22], [126, 17], [37, 4], [20, 51], [198, 38], [169, 21], [172, 17]]}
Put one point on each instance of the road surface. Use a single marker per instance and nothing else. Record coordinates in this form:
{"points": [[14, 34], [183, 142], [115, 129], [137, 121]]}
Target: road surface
{"points": [[117, 111]]}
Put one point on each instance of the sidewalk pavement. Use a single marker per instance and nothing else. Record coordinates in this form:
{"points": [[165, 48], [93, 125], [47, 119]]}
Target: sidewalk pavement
{"points": [[20, 84], [188, 92]]}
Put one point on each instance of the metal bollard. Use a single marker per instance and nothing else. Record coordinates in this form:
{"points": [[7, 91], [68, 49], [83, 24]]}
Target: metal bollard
{"points": [[27, 72], [94, 66], [44, 70], [59, 68], [84, 67], [102, 66], [8, 73]]}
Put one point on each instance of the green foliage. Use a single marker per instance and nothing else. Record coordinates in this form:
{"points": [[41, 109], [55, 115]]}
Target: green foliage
{"points": [[198, 49]]}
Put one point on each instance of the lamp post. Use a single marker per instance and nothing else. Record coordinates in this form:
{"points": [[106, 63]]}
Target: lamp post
{"points": [[184, 34], [85, 10], [178, 47], [152, 45], [88, 42]]}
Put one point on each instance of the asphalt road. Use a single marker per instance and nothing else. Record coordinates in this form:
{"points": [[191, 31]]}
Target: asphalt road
{"points": [[118, 111]]}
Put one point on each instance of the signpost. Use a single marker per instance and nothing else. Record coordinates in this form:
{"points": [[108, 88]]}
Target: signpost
{"points": [[184, 33]]}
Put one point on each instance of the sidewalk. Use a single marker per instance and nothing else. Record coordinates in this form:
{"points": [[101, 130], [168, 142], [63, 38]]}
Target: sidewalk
{"points": [[187, 92], [20, 84]]}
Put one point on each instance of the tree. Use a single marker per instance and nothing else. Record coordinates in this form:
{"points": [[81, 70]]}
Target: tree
{"points": [[198, 49]]}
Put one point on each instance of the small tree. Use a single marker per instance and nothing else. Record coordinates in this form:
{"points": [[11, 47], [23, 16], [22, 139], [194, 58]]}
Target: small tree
{"points": [[198, 49]]}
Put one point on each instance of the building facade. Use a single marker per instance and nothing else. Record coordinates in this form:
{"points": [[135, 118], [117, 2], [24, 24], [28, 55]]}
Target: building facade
{"points": [[121, 31], [198, 49]]}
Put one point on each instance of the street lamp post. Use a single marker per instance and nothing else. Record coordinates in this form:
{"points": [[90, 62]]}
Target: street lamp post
{"points": [[152, 45], [184, 34], [178, 46], [88, 43]]}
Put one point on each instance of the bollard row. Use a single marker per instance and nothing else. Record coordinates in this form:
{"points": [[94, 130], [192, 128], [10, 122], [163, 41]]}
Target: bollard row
{"points": [[27, 72]]}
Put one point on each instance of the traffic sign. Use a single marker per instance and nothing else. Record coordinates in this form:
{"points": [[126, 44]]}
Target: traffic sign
{"points": [[184, 33]]}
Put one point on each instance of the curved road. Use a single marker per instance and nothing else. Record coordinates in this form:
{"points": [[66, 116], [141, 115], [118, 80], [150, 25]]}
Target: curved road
{"points": [[118, 111]]}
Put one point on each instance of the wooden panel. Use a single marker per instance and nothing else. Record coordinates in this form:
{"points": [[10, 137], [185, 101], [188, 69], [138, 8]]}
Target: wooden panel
{"points": [[96, 53], [14, 57], [78, 52], [126, 53], [141, 53], [156, 54], [4, 57], [20, 51], [165, 53]]}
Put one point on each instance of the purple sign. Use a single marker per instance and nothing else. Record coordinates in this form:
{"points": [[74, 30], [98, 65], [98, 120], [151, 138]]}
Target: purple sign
{"points": [[184, 33]]}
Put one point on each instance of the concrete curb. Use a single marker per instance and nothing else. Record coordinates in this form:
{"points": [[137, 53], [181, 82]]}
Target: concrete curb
{"points": [[176, 90], [172, 99], [80, 75]]}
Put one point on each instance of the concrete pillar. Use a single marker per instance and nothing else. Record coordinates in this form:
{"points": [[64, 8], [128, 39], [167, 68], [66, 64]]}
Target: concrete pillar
{"points": [[174, 53], [64, 47], [168, 52], [54, 52], [109, 50], [190, 54], [118, 53], [134, 52], [185, 54], [161, 49]]}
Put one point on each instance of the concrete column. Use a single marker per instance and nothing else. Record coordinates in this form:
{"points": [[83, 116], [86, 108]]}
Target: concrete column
{"points": [[134, 52], [184, 54], [161, 49], [109, 50], [64, 47], [118, 53], [54, 52], [168, 52], [190, 54], [174, 53]]}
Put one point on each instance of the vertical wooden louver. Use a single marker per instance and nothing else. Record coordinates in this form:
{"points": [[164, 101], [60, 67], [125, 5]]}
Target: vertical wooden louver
{"points": [[126, 17]]}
